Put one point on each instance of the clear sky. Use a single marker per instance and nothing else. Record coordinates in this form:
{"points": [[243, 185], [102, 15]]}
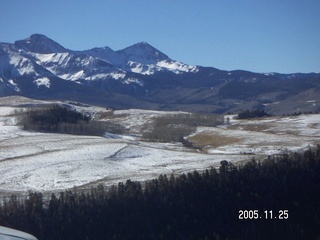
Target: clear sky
{"points": [[255, 35]]}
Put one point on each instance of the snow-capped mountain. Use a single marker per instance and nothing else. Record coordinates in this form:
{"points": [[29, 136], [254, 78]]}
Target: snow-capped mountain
{"points": [[29, 56], [137, 76], [143, 53], [144, 59]]}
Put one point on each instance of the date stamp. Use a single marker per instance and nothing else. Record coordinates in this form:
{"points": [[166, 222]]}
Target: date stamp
{"points": [[266, 214]]}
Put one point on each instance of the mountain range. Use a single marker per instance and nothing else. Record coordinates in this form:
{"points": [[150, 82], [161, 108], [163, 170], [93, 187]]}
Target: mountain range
{"points": [[141, 76]]}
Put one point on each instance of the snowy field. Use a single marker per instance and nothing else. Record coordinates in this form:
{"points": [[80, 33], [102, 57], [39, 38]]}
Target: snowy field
{"points": [[262, 137], [53, 162]]}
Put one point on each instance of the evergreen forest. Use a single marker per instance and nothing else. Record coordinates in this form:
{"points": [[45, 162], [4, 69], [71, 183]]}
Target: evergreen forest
{"points": [[277, 198]]}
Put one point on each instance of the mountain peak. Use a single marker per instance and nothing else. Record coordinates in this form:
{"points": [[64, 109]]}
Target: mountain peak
{"points": [[143, 52], [40, 44], [38, 36], [143, 44]]}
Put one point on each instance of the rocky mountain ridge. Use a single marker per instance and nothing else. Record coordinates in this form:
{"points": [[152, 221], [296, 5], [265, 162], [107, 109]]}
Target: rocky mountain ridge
{"points": [[141, 76]]}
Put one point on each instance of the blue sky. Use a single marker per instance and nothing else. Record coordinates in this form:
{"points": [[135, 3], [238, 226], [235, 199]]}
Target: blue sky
{"points": [[255, 35]]}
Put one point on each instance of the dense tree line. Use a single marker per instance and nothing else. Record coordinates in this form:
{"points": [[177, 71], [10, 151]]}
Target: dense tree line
{"points": [[63, 119], [190, 206], [252, 114]]}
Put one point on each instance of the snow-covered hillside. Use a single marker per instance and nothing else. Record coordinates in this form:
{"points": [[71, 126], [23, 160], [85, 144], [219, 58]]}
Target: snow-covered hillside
{"points": [[40, 161], [52, 162]]}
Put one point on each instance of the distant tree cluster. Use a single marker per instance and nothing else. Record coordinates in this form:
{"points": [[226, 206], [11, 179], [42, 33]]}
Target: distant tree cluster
{"points": [[173, 128], [58, 114], [61, 119], [253, 114], [191, 206]]}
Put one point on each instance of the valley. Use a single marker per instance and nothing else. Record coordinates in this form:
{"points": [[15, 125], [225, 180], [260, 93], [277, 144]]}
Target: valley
{"points": [[54, 162]]}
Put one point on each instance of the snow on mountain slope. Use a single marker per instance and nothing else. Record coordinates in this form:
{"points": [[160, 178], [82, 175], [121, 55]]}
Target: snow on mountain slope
{"points": [[41, 68], [144, 59], [24, 56], [13, 64], [71, 66], [177, 67], [42, 82], [168, 65]]}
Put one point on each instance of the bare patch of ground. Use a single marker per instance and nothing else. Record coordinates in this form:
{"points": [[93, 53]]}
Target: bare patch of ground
{"points": [[216, 140]]}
